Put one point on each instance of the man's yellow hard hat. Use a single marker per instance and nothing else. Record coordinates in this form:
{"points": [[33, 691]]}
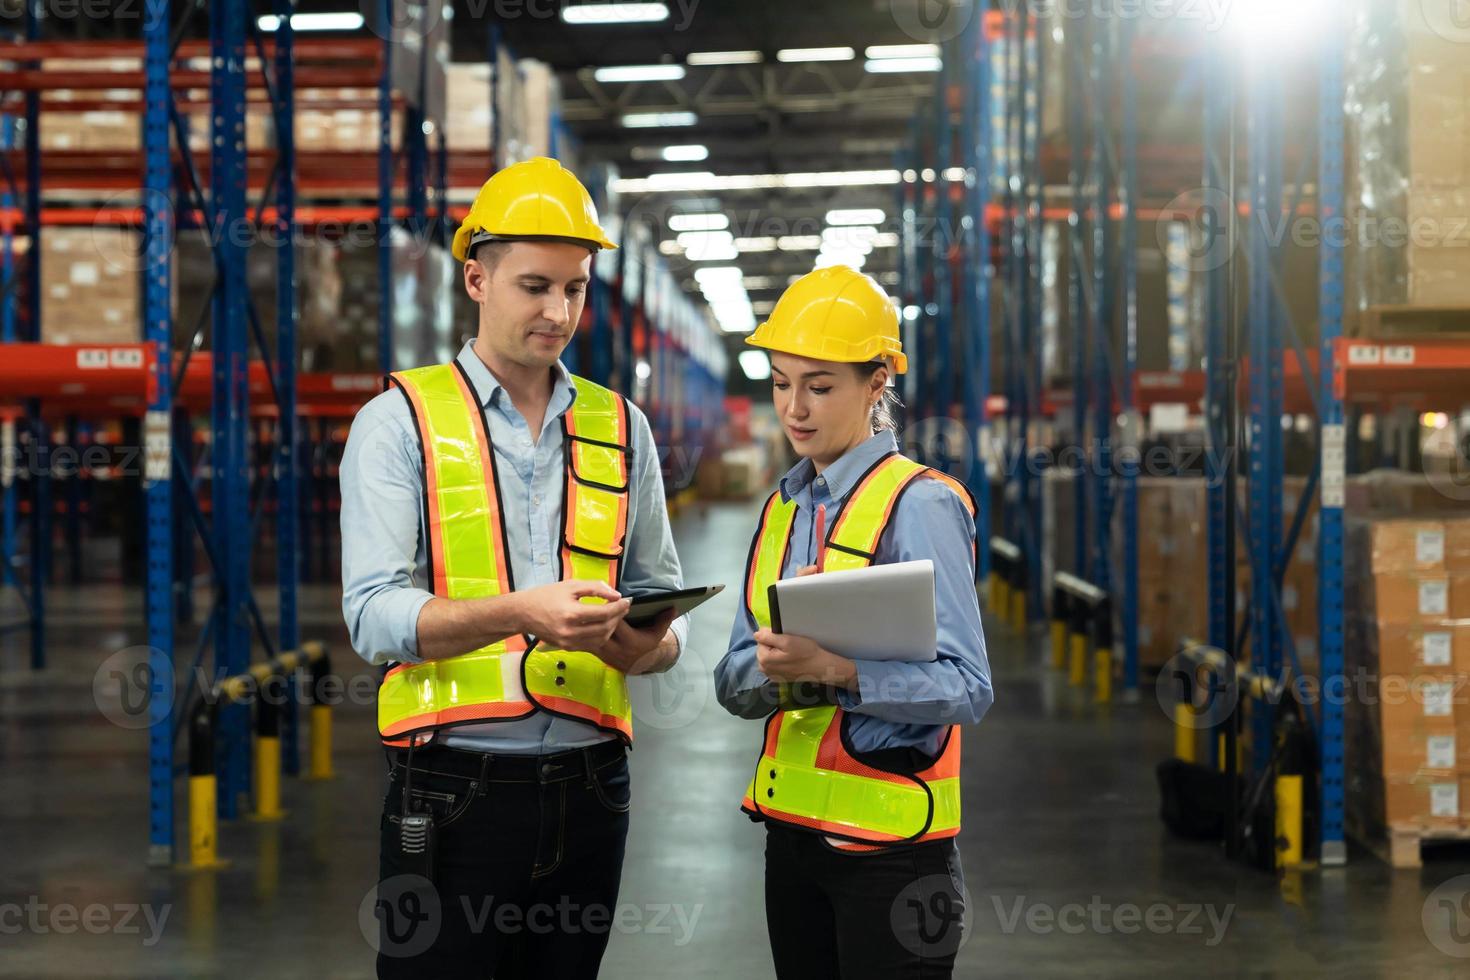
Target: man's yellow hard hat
{"points": [[538, 200], [834, 314]]}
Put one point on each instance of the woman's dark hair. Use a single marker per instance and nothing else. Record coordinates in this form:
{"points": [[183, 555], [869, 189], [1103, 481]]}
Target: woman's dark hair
{"points": [[885, 408]]}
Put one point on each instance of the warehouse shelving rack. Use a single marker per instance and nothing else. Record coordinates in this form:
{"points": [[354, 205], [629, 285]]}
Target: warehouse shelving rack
{"points": [[49, 377]]}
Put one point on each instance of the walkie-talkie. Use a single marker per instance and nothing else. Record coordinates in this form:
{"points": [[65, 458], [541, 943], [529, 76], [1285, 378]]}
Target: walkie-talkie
{"points": [[415, 830]]}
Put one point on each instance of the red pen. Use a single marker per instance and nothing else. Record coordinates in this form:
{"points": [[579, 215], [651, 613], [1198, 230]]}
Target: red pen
{"points": [[821, 536]]}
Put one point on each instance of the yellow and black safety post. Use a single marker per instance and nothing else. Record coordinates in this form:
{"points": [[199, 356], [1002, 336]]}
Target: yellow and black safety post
{"points": [[268, 748], [203, 790], [1061, 606], [1008, 582], [1102, 651], [319, 766], [1081, 601]]}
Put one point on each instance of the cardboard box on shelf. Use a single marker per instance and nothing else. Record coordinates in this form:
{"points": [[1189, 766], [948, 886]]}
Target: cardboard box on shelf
{"points": [[91, 286], [1430, 800], [1397, 648], [1457, 544], [1401, 545], [1404, 597]]}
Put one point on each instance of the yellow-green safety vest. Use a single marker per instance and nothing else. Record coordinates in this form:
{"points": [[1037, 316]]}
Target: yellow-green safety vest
{"points": [[807, 776], [469, 558]]}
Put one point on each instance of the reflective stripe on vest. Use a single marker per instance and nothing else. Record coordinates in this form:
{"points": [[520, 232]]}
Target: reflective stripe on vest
{"points": [[807, 776], [468, 554]]}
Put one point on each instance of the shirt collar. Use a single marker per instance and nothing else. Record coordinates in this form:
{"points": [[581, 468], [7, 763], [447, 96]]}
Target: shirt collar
{"points": [[843, 474], [488, 387]]}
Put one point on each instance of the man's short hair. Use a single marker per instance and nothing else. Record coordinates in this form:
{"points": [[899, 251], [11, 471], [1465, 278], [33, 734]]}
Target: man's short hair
{"points": [[489, 253]]}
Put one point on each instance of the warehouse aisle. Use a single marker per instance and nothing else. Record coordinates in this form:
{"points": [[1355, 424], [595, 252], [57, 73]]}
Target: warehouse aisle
{"points": [[1068, 868]]}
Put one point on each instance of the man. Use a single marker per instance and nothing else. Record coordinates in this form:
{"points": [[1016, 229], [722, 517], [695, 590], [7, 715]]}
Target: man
{"points": [[493, 511]]}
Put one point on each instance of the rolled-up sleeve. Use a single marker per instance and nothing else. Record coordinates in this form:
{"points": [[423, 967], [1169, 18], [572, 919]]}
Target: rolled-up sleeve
{"points": [[382, 506], [740, 685], [932, 522], [651, 563]]}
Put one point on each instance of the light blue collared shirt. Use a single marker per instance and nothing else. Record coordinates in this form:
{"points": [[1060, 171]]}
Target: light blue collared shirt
{"points": [[384, 564], [898, 704]]}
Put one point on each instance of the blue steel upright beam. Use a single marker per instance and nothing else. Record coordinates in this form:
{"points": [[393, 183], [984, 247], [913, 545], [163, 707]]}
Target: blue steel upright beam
{"points": [[1031, 383], [1214, 220], [1266, 462], [40, 480], [288, 555], [1330, 202], [976, 142], [9, 504], [1077, 293], [1102, 314], [158, 233], [385, 192], [230, 486], [940, 366], [1128, 470]]}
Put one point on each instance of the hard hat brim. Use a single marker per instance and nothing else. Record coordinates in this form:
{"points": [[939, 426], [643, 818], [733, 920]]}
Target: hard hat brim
{"points": [[900, 361], [462, 253]]}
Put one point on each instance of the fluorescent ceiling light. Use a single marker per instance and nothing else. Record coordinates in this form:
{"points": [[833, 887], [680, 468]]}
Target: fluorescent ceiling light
{"points": [[758, 182], [1270, 25], [760, 282], [755, 245], [658, 120], [828, 259], [856, 216], [698, 222], [342, 21], [670, 247], [799, 243], [887, 239], [717, 273], [614, 13], [910, 312], [756, 365], [790, 55], [687, 153], [763, 308], [697, 239], [889, 279], [896, 66], [881, 51], [705, 58], [639, 73], [677, 180], [955, 174]]}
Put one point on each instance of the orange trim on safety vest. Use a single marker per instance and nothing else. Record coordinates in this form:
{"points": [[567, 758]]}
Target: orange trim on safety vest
{"points": [[459, 715], [587, 713], [492, 488], [431, 489]]}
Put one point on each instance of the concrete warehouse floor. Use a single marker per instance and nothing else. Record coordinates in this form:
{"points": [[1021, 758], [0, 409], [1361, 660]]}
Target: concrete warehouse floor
{"points": [[1068, 865]]}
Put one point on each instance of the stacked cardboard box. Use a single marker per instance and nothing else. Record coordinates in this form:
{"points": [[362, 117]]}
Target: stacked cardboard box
{"points": [[1408, 665], [91, 286], [1172, 584]]}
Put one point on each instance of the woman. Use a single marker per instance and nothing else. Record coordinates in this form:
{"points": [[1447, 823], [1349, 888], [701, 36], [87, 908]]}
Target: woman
{"points": [[858, 778]]}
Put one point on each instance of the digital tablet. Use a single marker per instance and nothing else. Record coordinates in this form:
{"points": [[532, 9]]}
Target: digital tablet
{"points": [[648, 607]]}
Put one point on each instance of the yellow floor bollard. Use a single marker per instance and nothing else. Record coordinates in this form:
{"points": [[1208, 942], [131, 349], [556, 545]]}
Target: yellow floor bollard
{"points": [[321, 742], [1077, 674], [1000, 597], [1018, 609], [1058, 644], [1288, 821], [203, 822], [267, 778], [1102, 679], [1184, 732]]}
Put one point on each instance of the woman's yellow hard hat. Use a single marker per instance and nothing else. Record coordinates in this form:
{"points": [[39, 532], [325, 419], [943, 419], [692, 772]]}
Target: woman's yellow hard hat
{"points": [[538, 200], [834, 314]]}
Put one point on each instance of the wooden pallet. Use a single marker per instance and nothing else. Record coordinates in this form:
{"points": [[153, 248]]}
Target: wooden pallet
{"points": [[1411, 322], [1401, 846]]}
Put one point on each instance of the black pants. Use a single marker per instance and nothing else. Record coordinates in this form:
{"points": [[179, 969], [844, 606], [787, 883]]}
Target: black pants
{"points": [[895, 914], [528, 855]]}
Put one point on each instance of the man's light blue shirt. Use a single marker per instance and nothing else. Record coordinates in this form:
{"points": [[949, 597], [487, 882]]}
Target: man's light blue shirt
{"points": [[898, 704], [385, 565]]}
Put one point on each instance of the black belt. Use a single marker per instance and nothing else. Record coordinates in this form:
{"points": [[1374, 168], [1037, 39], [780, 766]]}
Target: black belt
{"points": [[468, 764]]}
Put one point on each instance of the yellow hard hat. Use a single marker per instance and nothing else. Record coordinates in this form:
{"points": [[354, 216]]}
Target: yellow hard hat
{"points": [[536, 200], [834, 314]]}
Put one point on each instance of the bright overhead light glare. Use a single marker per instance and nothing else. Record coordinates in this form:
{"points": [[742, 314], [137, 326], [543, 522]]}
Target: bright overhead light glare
{"points": [[342, 21], [759, 182], [614, 13], [790, 55], [700, 59], [898, 66], [676, 180], [763, 308], [1266, 26], [887, 239], [698, 222], [955, 174], [910, 312], [658, 120], [643, 371], [760, 282], [717, 273], [686, 153], [881, 51], [799, 243], [639, 73], [747, 245], [856, 216], [756, 365]]}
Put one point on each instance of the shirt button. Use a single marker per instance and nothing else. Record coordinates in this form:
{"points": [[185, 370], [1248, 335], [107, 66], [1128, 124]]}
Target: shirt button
{"points": [[821, 481], [536, 501], [540, 559]]}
